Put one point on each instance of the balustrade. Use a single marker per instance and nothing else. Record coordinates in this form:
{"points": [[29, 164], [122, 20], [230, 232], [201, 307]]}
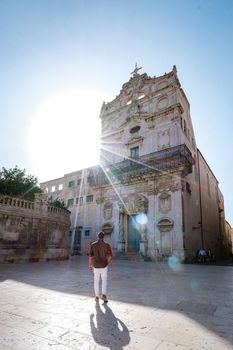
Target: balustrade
{"points": [[164, 160], [16, 202]]}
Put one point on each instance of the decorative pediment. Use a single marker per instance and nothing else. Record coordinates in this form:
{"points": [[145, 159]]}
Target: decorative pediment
{"points": [[133, 120], [134, 204], [134, 140], [107, 228], [135, 84], [165, 225]]}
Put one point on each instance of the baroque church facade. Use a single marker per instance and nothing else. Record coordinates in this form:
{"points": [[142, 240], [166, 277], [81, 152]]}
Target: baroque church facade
{"points": [[153, 192]]}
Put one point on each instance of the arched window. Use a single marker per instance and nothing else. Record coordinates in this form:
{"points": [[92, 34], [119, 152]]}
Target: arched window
{"points": [[185, 127], [181, 123]]}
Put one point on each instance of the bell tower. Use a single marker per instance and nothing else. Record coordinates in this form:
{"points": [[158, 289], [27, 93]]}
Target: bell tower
{"points": [[149, 115]]}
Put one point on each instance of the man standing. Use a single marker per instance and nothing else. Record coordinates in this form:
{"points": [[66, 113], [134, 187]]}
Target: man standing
{"points": [[99, 258]]}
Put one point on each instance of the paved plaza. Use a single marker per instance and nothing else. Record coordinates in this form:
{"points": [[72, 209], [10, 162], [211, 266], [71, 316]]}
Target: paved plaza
{"points": [[50, 305]]}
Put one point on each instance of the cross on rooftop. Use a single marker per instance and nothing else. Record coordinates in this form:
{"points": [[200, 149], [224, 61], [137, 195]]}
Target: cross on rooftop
{"points": [[136, 69]]}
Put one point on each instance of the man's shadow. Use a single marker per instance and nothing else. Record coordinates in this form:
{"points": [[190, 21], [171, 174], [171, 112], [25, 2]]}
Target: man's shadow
{"points": [[107, 330]]}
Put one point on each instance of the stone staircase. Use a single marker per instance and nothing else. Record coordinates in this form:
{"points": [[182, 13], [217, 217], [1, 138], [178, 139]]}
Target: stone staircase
{"points": [[130, 256]]}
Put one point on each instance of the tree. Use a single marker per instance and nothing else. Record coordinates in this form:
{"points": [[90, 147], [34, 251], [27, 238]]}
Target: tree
{"points": [[56, 202], [14, 182]]}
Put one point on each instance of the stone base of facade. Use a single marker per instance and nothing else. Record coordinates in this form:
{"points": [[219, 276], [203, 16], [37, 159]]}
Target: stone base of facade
{"points": [[121, 246], [160, 256], [143, 247], [18, 255]]}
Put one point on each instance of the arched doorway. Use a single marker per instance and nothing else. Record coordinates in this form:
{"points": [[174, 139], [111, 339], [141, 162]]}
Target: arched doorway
{"points": [[131, 207], [134, 235]]}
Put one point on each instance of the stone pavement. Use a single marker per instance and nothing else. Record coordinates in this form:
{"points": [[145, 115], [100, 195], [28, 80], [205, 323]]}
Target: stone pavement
{"points": [[50, 305]]}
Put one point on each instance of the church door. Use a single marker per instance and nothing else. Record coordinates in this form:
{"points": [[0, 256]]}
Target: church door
{"points": [[133, 234]]}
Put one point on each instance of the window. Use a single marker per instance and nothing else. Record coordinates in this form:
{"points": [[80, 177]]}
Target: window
{"points": [[134, 152], [79, 182], [53, 189], [193, 143], [47, 190], [188, 188], [91, 180], [87, 233], [135, 129], [208, 183], [70, 202], [185, 127], [141, 96], [89, 198], [79, 200], [71, 184], [195, 167], [60, 187]]}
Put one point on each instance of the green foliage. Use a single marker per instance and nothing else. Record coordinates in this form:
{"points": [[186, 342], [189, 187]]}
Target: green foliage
{"points": [[14, 182], [56, 202]]}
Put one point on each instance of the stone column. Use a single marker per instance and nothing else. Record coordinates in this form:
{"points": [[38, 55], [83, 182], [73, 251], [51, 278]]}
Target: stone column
{"points": [[143, 246], [143, 243], [41, 203], [121, 241]]}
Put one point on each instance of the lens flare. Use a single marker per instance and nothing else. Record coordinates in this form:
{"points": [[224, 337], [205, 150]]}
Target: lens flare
{"points": [[141, 222], [174, 263], [141, 219]]}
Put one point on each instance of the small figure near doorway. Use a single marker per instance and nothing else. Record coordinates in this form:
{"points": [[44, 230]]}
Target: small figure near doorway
{"points": [[202, 256], [210, 255]]}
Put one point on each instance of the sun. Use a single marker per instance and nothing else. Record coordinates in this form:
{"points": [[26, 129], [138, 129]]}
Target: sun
{"points": [[64, 134]]}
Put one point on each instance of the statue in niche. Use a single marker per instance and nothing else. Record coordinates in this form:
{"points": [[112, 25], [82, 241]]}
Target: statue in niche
{"points": [[134, 203], [141, 204], [107, 211], [164, 203]]}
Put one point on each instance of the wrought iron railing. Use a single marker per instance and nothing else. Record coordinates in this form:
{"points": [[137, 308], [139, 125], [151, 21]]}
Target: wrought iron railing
{"points": [[165, 160]]}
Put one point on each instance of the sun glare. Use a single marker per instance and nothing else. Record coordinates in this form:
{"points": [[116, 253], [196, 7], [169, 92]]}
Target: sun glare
{"points": [[64, 134]]}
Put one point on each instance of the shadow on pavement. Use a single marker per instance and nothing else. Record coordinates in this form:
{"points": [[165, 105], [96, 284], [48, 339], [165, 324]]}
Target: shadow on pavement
{"points": [[200, 292], [108, 330]]}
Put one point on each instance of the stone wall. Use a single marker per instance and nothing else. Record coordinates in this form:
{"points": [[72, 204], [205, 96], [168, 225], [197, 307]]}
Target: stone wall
{"points": [[32, 231]]}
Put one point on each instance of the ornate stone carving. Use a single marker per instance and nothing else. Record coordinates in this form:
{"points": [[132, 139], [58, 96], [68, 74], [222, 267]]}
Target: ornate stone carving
{"points": [[165, 225], [162, 85], [134, 140], [164, 203], [108, 211], [162, 102], [163, 139], [164, 183], [134, 203], [100, 200]]}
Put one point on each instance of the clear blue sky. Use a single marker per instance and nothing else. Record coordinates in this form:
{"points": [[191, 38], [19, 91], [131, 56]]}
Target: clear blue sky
{"points": [[49, 46]]}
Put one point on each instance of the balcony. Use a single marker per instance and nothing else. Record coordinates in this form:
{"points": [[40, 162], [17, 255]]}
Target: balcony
{"points": [[168, 160]]}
